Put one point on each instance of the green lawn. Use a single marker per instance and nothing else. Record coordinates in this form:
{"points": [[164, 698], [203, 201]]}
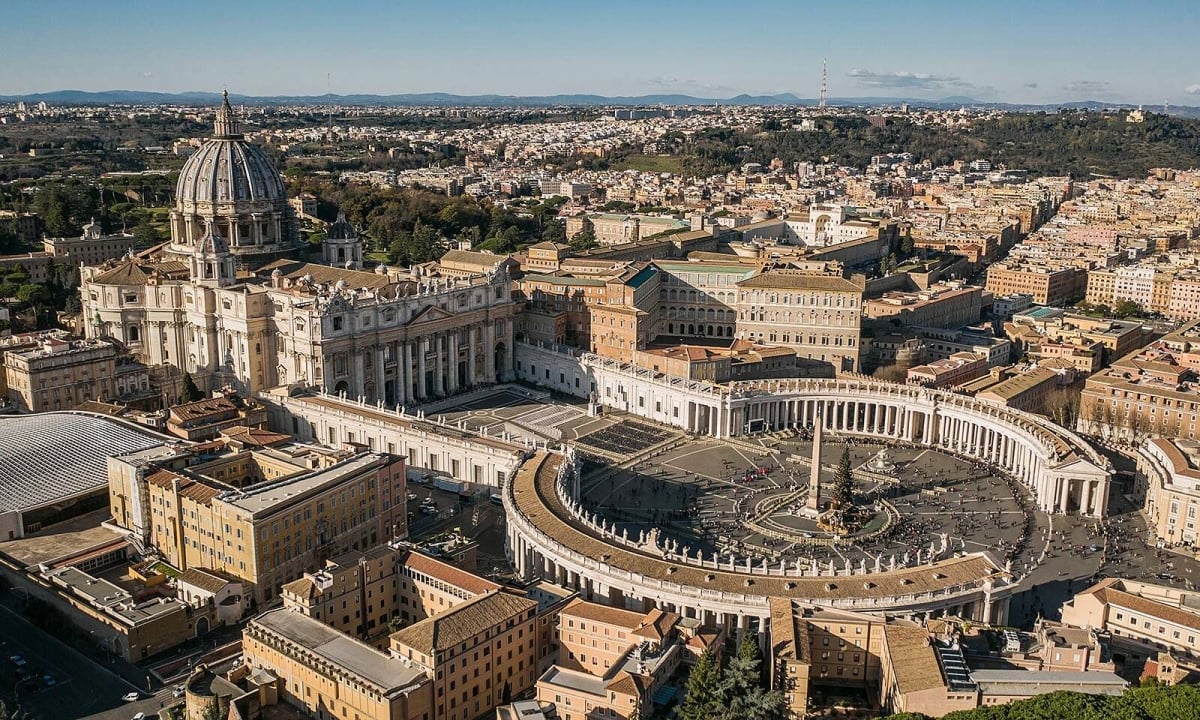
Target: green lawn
{"points": [[650, 163]]}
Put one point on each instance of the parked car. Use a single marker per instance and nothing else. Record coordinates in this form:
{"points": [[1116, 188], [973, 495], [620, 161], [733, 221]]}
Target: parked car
{"points": [[139, 716], [17, 660], [49, 681], [131, 696]]}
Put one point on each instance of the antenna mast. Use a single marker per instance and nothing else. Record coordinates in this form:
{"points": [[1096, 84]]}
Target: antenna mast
{"points": [[824, 77], [329, 108]]}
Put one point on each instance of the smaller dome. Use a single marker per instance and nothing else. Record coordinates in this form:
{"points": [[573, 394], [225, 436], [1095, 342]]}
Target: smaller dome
{"points": [[212, 243], [341, 285], [381, 269], [341, 229], [276, 273]]}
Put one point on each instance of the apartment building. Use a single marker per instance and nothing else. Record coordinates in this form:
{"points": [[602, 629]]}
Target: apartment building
{"points": [[479, 654], [1148, 393], [612, 661], [618, 229], [819, 648], [329, 674], [1168, 476], [941, 306], [955, 370], [205, 419], [265, 515], [700, 299], [1141, 618], [361, 593], [1046, 284], [1025, 390], [61, 373], [93, 247], [819, 316]]}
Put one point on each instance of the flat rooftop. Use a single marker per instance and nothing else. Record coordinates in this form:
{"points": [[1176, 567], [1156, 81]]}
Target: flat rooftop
{"points": [[267, 496], [61, 540], [341, 650], [573, 680], [47, 457]]}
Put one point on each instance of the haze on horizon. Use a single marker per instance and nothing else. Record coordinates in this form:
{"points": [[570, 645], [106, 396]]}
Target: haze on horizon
{"points": [[1020, 51]]}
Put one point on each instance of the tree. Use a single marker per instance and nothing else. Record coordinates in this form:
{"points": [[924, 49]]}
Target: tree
{"points": [[843, 480], [583, 240], [703, 698], [395, 625], [144, 234], [191, 392], [742, 692], [1062, 406], [1126, 308]]}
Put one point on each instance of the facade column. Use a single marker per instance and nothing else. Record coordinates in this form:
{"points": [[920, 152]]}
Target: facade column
{"points": [[452, 338], [489, 352], [404, 374], [380, 379], [421, 368], [472, 351], [358, 373], [1085, 504], [439, 366]]}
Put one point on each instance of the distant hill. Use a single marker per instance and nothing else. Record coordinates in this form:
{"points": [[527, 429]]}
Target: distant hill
{"points": [[142, 97]]}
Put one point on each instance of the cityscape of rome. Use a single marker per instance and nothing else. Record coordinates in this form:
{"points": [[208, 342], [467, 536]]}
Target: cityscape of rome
{"points": [[541, 361]]}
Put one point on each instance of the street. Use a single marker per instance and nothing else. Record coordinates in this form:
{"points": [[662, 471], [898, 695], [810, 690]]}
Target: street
{"points": [[82, 685]]}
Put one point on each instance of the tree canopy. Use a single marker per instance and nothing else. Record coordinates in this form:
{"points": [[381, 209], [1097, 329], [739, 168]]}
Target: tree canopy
{"points": [[735, 692], [1150, 702]]}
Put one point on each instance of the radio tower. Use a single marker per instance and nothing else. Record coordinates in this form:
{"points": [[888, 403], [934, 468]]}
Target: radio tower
{"points": [[824, 77]]}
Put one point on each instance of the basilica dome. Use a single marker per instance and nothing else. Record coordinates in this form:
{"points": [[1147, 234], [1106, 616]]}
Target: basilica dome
{"points": [[231, 188], [228, 169]]}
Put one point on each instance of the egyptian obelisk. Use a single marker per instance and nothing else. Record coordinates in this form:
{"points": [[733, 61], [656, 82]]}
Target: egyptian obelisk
{"points": [[814, 478]]}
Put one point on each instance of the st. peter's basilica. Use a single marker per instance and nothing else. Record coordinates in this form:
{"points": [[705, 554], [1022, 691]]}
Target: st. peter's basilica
{"points": [[228, 301]]}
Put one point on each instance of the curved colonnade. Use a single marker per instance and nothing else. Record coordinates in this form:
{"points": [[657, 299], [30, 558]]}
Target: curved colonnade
{"points": [[549, 536]]}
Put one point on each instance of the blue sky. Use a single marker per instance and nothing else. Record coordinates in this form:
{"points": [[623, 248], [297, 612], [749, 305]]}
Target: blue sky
{"points": [[1005, 50]]}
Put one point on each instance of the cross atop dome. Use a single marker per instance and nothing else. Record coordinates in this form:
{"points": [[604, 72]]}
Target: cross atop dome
{"points": [[226, 124]]}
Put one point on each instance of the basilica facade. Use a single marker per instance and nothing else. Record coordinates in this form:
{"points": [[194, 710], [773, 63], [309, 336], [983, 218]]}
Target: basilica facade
{"points": [[228, 302]]}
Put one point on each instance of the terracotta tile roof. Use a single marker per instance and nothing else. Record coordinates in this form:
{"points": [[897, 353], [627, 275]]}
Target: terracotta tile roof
{"points": [[657, 624], [799, 280], [1152, 608], [605, 614], [447, 573], [304, 587], [127, 272], [188, 488], [463, 622], [202, 579], [203, 408], [255, 436], [626, 684], [533, 488], [913, 660]]}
